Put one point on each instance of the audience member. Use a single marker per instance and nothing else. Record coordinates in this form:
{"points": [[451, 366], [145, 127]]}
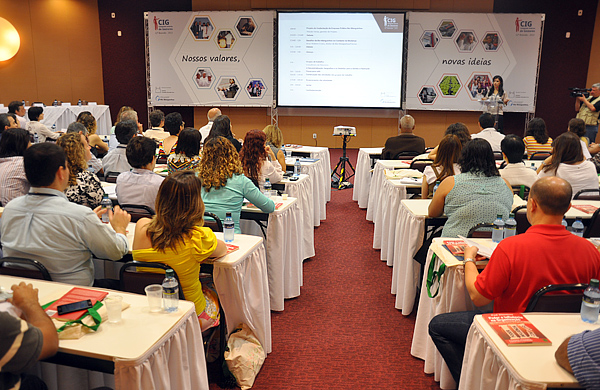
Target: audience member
{"points": [[157, 121], [99, 147], [176, 236], [34, 126], [14, 122], [44, 226], [580, 355], [515, 171], [13, 182], [222, 128], [536, 137], [84, 186], [18, 109], [404, 142], [275, 142], [211, 115], [173, 124], [26, 340], [112, 142], [116, 159], [577, 127], [140, 185], [488, 132], [76, 127], [568, 163], [444, 165], [534, 256], [5, 123], [224, 185], [187, 151], [458, 129], [258, 160], [476, 195]]}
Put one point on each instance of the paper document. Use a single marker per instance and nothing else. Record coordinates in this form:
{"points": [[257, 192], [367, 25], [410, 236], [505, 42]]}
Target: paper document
{"points": [[483, 248]]}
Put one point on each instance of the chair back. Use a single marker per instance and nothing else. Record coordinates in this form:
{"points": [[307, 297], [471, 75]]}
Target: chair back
{"points": [[138, 211], [498, 156], [522, 191], [481, 230], [216, 225], [405, 155], [133, 278], [589, 194], [420, 164], [593, 229], [520, 213], [540, 156], [111, 177], [161, 160], [27, 268], [543, 301]]}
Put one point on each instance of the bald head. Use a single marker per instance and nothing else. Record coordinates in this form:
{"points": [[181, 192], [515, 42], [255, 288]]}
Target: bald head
{"points": [[407, 124], [552, 194], [213, 113]]}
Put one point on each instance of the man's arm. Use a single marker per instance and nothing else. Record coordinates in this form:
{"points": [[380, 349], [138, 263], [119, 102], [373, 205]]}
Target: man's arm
{"points": [[471, 273], [583, 100], [562, 357]]}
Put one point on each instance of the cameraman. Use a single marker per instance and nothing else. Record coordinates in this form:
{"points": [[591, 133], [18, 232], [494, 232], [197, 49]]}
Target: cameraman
{"points": [[589, 110]]}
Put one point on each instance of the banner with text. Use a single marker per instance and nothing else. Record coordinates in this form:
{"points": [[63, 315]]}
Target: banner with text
{"points": [[211, 58], [453, 58]]}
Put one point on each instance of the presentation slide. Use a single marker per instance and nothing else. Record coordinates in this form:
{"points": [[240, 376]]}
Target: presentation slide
{"points": [[453, 59], [340, 59], [211, 58]]}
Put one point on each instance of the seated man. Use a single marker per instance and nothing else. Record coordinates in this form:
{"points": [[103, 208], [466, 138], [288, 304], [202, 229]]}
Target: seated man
{"points": [[580, 355], [116, 160], [515, 171], [44, 226], [25, 341], [140, 185], [488, 132], [541, 256], [157, 121], [405, 141]]}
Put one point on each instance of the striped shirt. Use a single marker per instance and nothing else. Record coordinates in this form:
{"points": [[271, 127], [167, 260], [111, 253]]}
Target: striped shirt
{"points": [[20, 346], [533, 146], [13, 182], [584, 358]]}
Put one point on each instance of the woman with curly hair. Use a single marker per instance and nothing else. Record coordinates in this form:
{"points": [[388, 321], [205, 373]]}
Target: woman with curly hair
{"points": [[224, 185], [99, 147], [275, 141], [258, 160], [536, 137], [84, 187]]}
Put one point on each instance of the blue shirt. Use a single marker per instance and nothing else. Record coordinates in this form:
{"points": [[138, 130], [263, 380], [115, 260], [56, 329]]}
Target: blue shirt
{"points": [[584, 358], [59, 234], [230, 198]]}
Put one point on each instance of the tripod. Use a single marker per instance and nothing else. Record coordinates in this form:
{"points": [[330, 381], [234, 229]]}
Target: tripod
{"points": [[341, 182]]}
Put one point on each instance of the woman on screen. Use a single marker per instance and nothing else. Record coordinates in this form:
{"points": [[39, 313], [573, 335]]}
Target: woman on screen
{"points": [[498, 99]]}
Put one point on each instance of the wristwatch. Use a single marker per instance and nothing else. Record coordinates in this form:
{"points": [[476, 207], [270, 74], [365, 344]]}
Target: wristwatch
{"points": [[468, 260]]}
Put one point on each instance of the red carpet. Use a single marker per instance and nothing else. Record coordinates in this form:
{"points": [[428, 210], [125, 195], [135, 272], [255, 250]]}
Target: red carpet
{"points": [[343, 331]]}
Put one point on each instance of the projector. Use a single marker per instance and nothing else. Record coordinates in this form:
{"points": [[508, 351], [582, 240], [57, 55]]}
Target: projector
{"points": [[344, 130]]}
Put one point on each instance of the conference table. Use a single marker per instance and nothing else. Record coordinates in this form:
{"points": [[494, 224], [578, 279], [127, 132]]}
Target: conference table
{"points": [[377, 183], [322, 154], [314, 168], [362, 177], [302, 189], [490, 364], [145, 350]]}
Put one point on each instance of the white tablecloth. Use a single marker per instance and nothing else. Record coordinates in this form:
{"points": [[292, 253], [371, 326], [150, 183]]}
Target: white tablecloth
{"points": [[362, 178], [315, 171], [323, 155], [377, 184], [302, 189], [390, 195]]}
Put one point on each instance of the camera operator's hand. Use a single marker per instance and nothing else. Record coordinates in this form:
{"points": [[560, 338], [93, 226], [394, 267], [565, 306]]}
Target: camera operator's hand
{"points": [[581, 98]]}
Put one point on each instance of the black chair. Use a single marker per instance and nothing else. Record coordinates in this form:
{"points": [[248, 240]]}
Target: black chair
{"points": [[481, 230], [498, 156], [522, 191], [138, 211], [589, 194], [593, 229], [420, 164], [540, 156], [133, 278], [216, 225], [520, 213], [161, 160], [542, 301], [27, 268], [405, 155], [111, 177]]}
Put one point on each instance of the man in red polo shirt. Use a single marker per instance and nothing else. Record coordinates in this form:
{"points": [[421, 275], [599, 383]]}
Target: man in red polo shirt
{"points": [[546, 254]]}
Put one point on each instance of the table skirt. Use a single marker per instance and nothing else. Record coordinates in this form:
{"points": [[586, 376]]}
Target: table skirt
{"points": [[385, 220], [362, 178], [303, 191]]}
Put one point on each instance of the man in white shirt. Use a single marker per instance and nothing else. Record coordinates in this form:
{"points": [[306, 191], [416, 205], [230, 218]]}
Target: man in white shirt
{"points": [[488, 132], [16, 107], [515, 172], [116, 160], [212, 114], [157, 121]]}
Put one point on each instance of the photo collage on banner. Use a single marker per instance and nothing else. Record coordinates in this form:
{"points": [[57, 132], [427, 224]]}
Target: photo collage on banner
{"points": [[211, 58], [452, 59]]}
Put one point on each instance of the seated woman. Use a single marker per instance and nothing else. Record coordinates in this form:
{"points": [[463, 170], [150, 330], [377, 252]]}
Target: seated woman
{"points": [[84, 187], [174, 125], [187, 151], [222, 128], [258, 159], [34, 126], [176, 236], [275, 142], [536, 137], [224, 185], [567, 162], [458, 129], [13, 182], [99, 147], [444, 165], [477, 195]]}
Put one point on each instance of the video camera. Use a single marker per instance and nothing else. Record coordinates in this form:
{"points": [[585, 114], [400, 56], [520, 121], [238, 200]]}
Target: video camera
{"points": [[576, 92]]}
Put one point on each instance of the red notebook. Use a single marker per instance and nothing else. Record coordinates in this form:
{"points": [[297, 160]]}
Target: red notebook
{"points": [[515, 329], [76, 294], [277, 205]]}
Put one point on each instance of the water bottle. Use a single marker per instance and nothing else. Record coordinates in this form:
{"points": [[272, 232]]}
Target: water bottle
{"points": [[228, 228], [55, 103], [590, 304], [283, 150], [498, 231], [170, 288], [106, 203], [267, 188], [297, 167], [36, 138], [510, 226], [533, 167], [79, 103], [577, 227], [435, 187], [91, 168], [564, 223]]}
